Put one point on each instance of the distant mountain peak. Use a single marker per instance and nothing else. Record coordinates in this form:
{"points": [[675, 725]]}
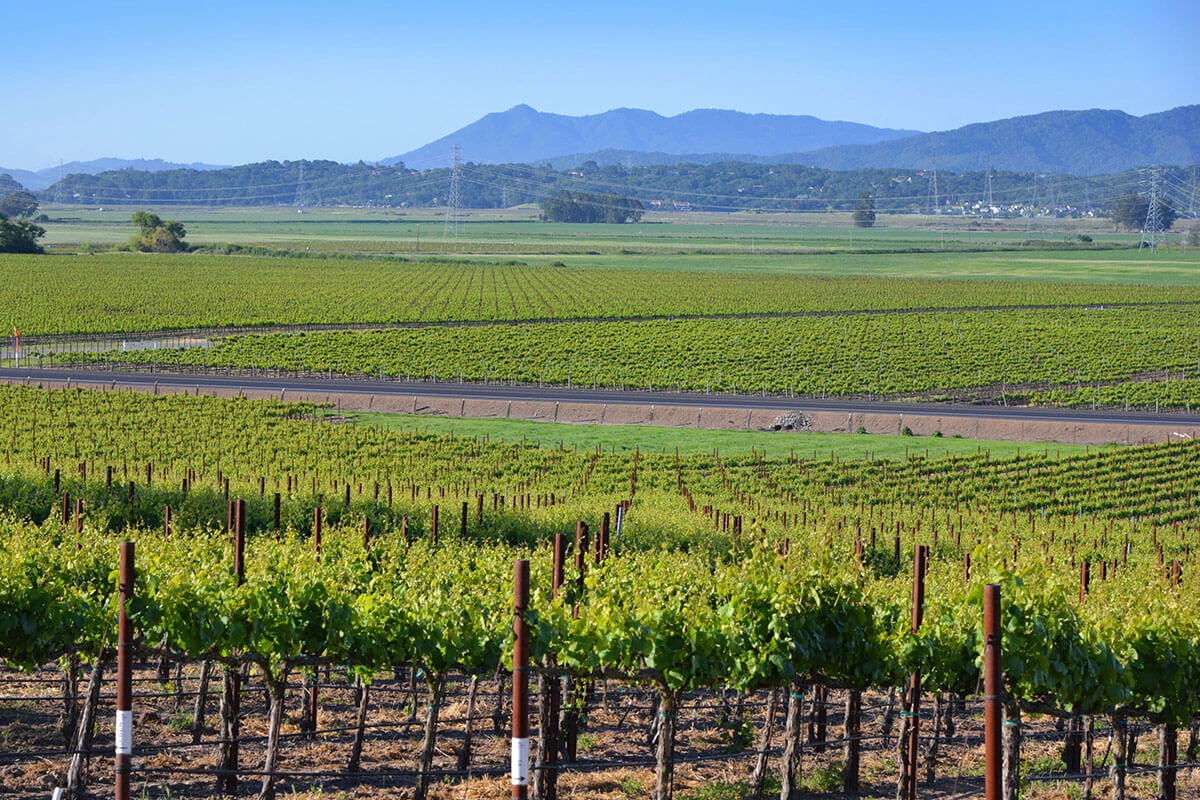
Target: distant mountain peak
{"points": [[524, 135]]}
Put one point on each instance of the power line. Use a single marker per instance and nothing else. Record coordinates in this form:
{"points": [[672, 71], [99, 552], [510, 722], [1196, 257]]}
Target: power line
{"points": [[1174, 190]]}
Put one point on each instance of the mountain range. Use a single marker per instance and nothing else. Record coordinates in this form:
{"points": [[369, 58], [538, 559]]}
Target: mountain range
{"points": [[523, 135], [42, 178], [1082, 143], [1090, 142]]}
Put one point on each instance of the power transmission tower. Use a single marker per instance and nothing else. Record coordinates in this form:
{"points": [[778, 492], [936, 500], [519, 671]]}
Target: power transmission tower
{"points": [[988, 201], [299, 202], [937, 206], [59, 196], [454, 200], [1033, 211], [1152, 230], [1192, 200]]}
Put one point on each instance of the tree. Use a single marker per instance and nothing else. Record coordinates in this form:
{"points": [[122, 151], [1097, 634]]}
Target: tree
{"points": [[567, 206], [1130, 210], [156, 235], [19, 236], [864, 210], [19, 204]]}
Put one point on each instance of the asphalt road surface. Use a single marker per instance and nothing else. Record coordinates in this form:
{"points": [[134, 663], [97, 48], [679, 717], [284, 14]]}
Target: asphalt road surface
{"points": [[561, 394]]}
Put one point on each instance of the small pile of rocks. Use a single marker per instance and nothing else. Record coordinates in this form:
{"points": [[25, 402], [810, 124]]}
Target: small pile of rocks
{"points": [[792, 421]]}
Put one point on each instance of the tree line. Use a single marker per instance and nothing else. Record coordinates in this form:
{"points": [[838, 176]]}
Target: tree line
{"points": [[566, 206], [723, 186]]}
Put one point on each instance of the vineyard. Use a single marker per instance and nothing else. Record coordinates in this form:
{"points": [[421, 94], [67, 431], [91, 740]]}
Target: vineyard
{"points": [[1133, 357], [339, 599], [122, 292]]}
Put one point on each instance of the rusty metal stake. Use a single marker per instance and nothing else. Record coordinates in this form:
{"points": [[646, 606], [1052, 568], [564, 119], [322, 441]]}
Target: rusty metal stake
{"points": [[124, 721], [520, 682], [992, 688]]}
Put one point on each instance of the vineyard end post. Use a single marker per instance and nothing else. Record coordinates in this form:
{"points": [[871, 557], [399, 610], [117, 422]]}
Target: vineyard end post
{"points": [[992, 688], [520, 682], [124, 720]]}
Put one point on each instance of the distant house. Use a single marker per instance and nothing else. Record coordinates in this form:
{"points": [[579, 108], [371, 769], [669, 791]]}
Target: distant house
{"points": [[683, 205]]}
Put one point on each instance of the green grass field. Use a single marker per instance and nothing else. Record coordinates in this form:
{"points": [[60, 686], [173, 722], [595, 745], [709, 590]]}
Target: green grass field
{"points": [[625, 438], [518, 230]]}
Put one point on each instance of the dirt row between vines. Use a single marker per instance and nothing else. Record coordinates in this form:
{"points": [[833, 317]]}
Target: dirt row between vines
{"points": [[713, 726]]}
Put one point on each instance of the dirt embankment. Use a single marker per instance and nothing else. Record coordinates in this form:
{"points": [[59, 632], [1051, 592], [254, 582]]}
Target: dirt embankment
{"points": [[714, 417]]}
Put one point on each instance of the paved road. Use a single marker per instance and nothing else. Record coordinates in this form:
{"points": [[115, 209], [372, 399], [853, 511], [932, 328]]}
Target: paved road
{"points": [[564, 395]]}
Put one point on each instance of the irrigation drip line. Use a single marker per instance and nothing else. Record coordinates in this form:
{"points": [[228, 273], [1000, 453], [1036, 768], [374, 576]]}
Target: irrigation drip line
{"points": [[106, 696], [83, 679], [323, 773], [965, 795]]}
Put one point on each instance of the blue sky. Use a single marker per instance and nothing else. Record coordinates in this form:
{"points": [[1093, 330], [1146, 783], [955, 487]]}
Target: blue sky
{"points": [[226, 82]]}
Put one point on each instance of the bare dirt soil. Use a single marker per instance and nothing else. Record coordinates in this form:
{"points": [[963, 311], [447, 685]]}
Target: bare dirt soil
{"points": [[716, 747]]}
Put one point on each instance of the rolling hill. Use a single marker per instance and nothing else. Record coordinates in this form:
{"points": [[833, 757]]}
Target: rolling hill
{"points": [[1090, 142]]}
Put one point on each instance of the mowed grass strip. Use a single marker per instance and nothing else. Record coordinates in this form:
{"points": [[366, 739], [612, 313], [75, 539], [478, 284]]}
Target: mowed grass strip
{"points": [[654, 439]]}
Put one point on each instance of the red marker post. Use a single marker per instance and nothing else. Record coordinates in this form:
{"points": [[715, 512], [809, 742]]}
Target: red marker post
{"points": [[124, 722], [520, 683], [992, 687]]}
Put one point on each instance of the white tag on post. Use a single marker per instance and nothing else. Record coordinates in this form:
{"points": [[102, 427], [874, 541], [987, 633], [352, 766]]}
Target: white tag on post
{"points": [[124, 733], [520, 762]]}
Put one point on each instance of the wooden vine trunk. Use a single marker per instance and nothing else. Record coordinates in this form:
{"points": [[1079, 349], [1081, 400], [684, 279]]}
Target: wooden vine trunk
{"points": [[1116, 771], [277, 688], [790, 766], [430, 739], [539, 786], [1011, 745], [227, 752], [360, 725], [1168, 743], [758, 778], [198, 708], [902, 745], [83, 732], [851, 730], [664, 756], [70, 691]]}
